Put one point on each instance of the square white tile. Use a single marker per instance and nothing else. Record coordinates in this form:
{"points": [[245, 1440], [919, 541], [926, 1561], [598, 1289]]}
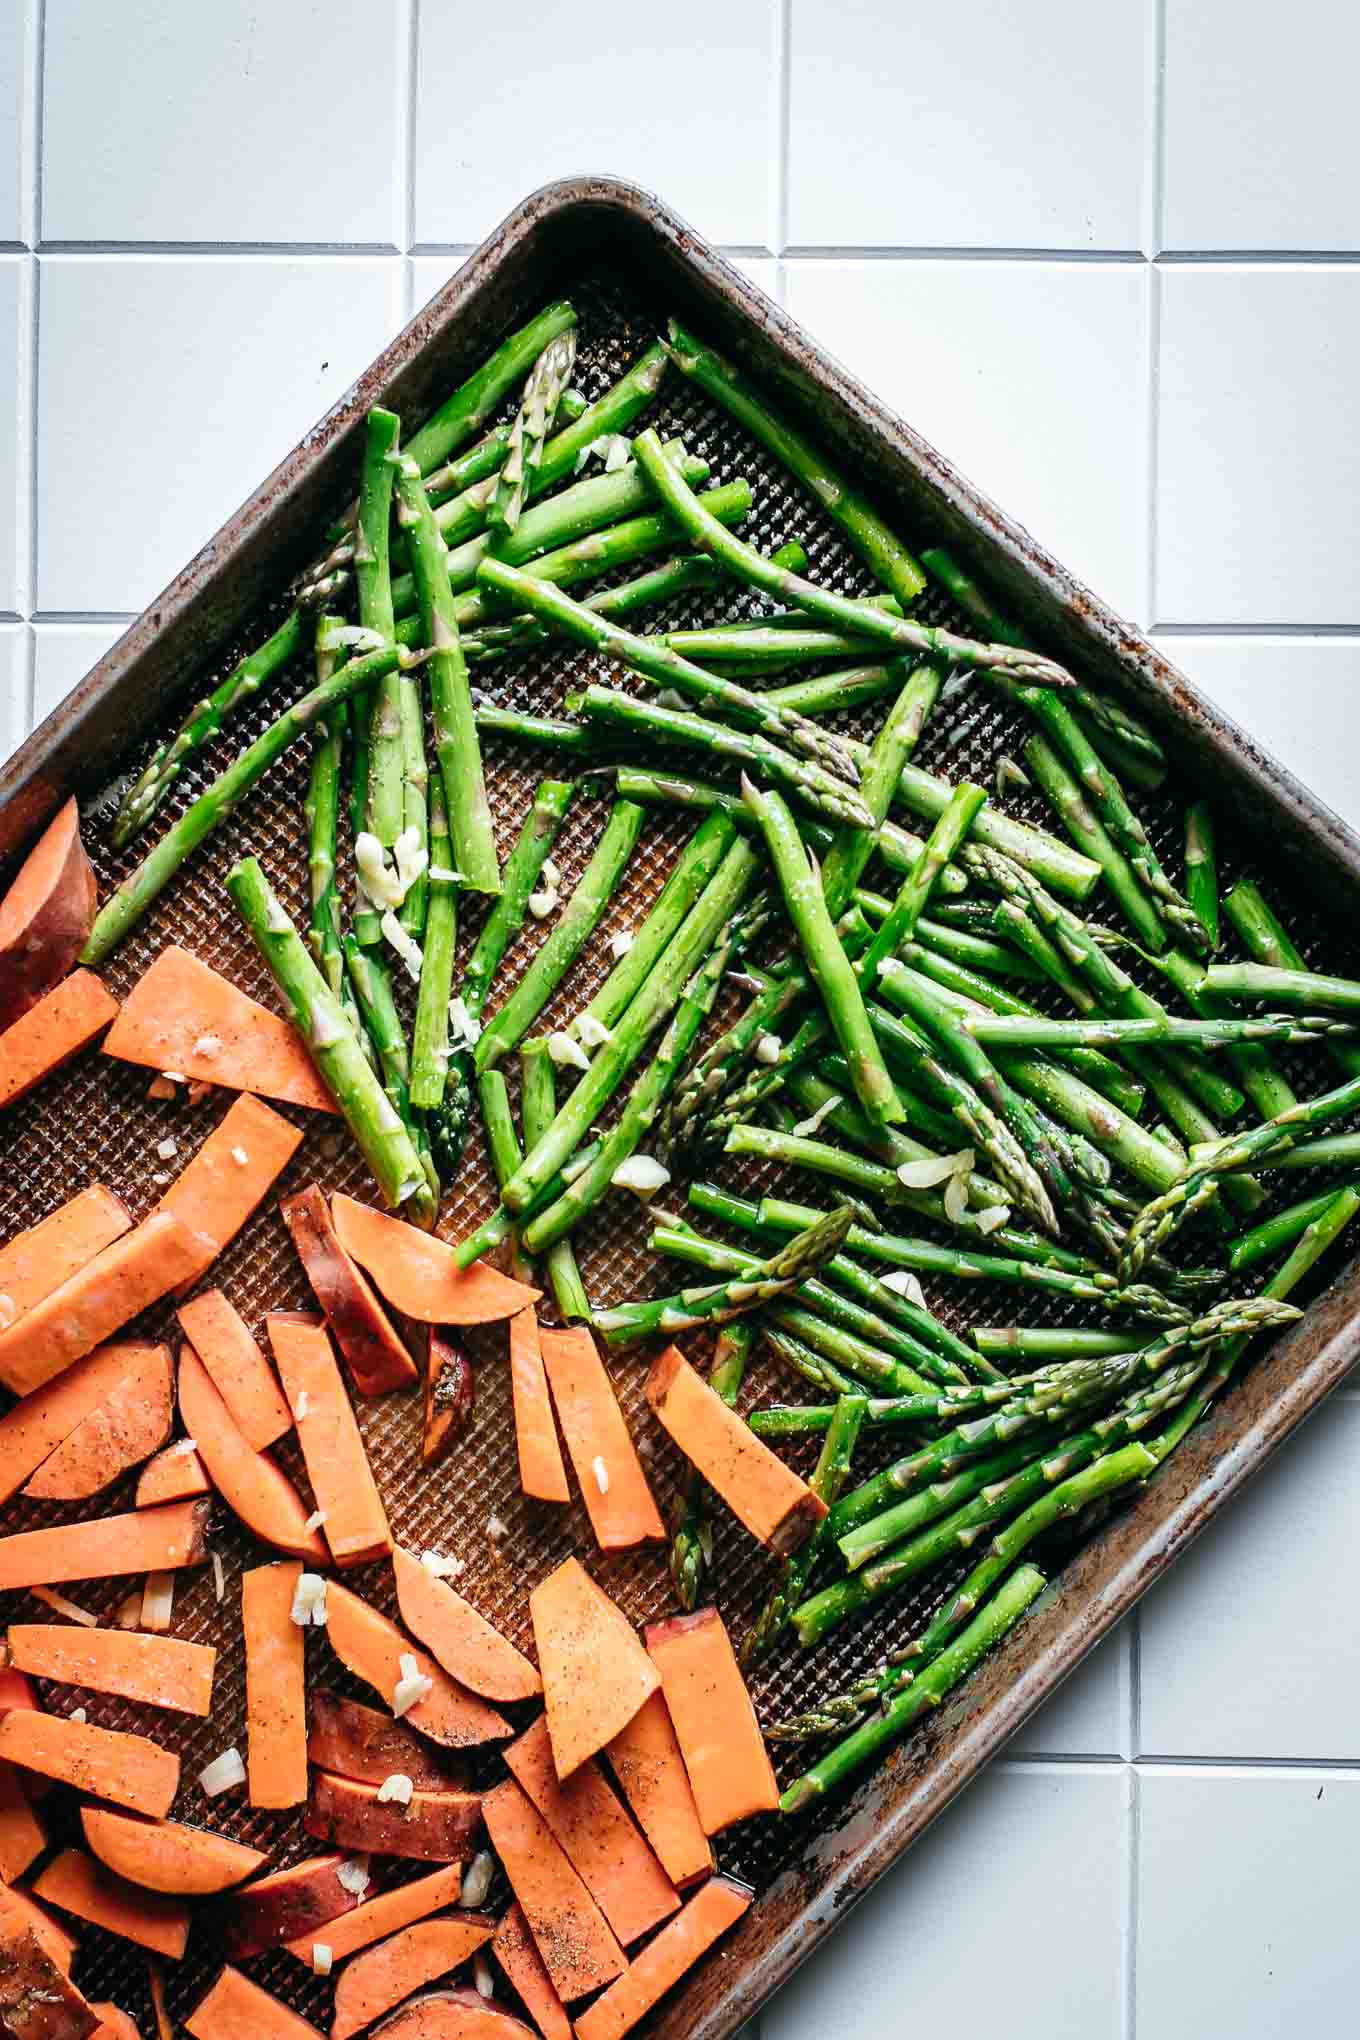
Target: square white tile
{"points": [[1237, 1659], [12, 37], [160, 415], [1028, 375], [229, 122], [13, 470], [1262, 148], [692, 117], [1246, 1905], [13, 688], [63, 654], [966, 1920], [1258, 455], [1300, 697], [1087, 1715], [968, 126]]}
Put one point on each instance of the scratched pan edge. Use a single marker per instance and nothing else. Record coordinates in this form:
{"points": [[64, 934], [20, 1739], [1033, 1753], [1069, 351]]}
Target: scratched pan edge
{"points": [[626, 260]]}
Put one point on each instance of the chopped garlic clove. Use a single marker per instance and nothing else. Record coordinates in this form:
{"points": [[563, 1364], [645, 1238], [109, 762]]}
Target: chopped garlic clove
{"points": [[642, 1174], [223, 1773], [568, 1054]]}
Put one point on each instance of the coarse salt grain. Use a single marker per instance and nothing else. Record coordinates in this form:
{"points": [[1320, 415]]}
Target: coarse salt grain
{"points": [[321, 1958], [494, 1526], [315, 1520], [240, 1157], [80, 1714], [443, 1568], [160, 1177], [208, 1045], [304, 1404], [601, 1473], [219, 1577]]}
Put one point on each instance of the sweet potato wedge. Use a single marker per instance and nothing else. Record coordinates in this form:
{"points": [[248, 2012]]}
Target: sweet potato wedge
{"points": [[378, 1917], [608, 1471], [514, 1948], [182, 1016], [764, 1495], [714, 1907], [131, 1422], [435, 1827], [39, 1260], [38, 2001], [452, 2015], [163, 1855], [79, 1885], [450, 1394], [372, 1648], [596, 1836], [50, 1034], [332, 1445], [646, 1760], [46, 915], [464, 1642], [114, 2023], [250, 1483], [715, 1723], [541, 1472], [356, 1741], [175, 1475], [418, 1274], [570, 1932], [374, 1352], [156, 1671], [396, 1969], [233, 1172], [237, 2009], [107, 1763], [97, 1301], [595, 1673], [276, 1687], [60, 1941], [145, 1540], [35, 1427], [23, 1836], [237, 1368], [280, 1907]]}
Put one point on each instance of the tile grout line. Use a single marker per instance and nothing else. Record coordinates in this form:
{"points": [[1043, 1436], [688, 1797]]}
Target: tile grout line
{"points": [[35, 38], [1152, 337], [404, 145], [1132, 1855], [782, 87]]}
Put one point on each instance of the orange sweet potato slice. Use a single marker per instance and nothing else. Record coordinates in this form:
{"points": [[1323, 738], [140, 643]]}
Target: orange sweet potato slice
{"points": [[418, 1274], [62, 1023], [129, 1770], [61, 1943], [37, 1261], [715, 1723], [145, 1540], [131, 1422], [541, 1472], [595, 1672], [233, 1172], [97, 1301], [182, 1016], [372, 1648], [332, 1445], [114, 2023], [38, 2001], [23, 1837], [376, 1356], [164, 1855], [238, 1369], [609, 1473], [763, 1494], [175, 1475], [155, 1671], [714, 1907], [464, 1642], [450, 1393], [452, 2015], [646, 1760], [570, 1932], [237, 2009], [35, 1427], [597, 1837], [79, 1885], [433, 1827], [356, 1741], [516, 1951], [378, 1917], [46, 915], [280, 1907], [276, 1687], [250, 1483], [396, 1969]]}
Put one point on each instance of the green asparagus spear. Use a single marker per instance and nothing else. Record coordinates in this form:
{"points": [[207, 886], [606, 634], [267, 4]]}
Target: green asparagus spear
{"points": [[692, 1539], [1201, 869], [1264, 936], [430, 1035], [715, 1302], [548, 378], [538, 1108], [828, 1478]]}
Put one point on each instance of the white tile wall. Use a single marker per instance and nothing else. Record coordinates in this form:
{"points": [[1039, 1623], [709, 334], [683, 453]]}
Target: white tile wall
{"points": [[236, 206]]}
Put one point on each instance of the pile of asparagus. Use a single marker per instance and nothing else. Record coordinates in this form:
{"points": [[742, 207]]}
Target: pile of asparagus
{"points": [[901, 1044]]}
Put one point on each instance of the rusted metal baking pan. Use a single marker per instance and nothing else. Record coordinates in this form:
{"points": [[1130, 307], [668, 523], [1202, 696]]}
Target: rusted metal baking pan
{"points": [[629, 262]]}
